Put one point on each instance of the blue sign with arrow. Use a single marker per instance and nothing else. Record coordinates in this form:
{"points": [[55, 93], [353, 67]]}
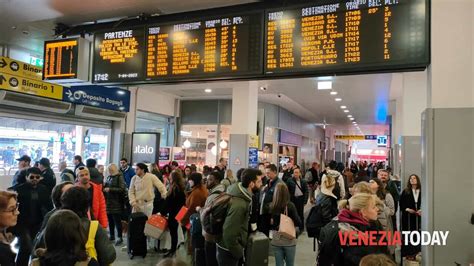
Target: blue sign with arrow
{"points": [[111, 98]]}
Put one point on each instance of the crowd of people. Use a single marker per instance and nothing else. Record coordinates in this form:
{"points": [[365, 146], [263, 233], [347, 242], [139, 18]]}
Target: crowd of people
{"points": [[79, 220]]}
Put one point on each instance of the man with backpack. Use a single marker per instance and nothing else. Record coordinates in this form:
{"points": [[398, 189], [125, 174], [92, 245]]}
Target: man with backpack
{"points": [[230, 246], [215, 189]]}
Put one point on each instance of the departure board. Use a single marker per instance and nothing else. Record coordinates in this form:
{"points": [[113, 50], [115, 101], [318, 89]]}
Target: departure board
{"points": [[347, 36], [217, 47], [60, 59], [119, 56]]}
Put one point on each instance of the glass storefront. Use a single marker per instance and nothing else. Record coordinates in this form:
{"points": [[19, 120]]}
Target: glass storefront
{"points": [[205, 144], [56, 141], [150, 122]]}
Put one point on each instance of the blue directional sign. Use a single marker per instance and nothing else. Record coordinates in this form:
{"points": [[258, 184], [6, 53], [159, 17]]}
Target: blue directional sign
{"points": [[98, 96]]}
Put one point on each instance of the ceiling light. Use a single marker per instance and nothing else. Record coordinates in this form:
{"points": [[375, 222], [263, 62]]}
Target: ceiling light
{"points": [[223, 144], [349, 116], [343, 107], [338, 99], [346, 111], [352, 118], [324, 85], [187, 144], [333, 92], [207, 90]]}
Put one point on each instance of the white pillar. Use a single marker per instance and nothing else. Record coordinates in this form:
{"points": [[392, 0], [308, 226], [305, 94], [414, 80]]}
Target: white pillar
{"points": [[448, 134], [244, 123]]}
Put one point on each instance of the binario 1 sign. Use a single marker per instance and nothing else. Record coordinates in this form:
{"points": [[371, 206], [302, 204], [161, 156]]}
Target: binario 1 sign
{"points": [[145, 147]]}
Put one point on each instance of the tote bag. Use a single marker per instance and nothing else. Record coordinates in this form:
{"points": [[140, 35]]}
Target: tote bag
{"points": [[287, 226]]}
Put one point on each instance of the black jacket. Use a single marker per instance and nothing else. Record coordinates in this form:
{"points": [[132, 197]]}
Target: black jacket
{"points": [[291, 183], [353, 254], [174, 202], [33, 212], [49, 179], [115, 198], [7, 256], [67, 175], [96, 176], [78, 165], [328, 207], [19, 177]]}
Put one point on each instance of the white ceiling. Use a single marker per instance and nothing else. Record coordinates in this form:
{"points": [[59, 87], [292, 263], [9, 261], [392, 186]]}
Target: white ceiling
{"points": [[366, 97], [39, 17]]}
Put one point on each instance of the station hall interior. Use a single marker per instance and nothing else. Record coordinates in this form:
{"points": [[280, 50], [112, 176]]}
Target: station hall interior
{"points": [[417, 120]]}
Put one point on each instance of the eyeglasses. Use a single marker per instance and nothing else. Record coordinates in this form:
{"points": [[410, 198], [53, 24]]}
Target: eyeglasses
{"points": [[34, 177], [13, 210]]}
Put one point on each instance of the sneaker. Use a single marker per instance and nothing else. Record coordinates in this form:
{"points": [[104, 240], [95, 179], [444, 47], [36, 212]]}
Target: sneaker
{"points": [[119, 242]]}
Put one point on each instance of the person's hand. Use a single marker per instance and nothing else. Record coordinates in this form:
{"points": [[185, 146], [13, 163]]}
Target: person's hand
{"points": [[418, 212], [410, 211], [106, 189]]}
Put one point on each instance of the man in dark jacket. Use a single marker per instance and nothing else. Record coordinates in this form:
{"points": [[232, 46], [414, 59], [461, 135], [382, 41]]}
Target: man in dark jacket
{"points": [[230, 247], [127, 171], [299, 193], [312, 178], [34, 202], [265, 216], [77, 162], [20, 175], [49, 179], [95, 175]]}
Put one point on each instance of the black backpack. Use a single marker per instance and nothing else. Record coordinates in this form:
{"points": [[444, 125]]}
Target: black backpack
{"points": [[330, 250], [314, 222], [213, 216]]}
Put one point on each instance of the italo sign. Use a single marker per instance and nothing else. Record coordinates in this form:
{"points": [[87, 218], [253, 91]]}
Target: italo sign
{"points": [[145, 147]]}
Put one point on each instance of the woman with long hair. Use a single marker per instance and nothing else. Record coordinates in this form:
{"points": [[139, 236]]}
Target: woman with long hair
{"points": [[229, 179], [174, 201], [410, 204], [65, 239], [283, 246], [8, 218], [114, 192]]}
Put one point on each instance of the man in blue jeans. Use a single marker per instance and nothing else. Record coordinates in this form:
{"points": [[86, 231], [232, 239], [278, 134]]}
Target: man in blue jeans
{"points": [[230, 248]]}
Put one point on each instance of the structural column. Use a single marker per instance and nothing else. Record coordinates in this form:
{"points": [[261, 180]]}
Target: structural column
{"points": [[448, 134], [244, 123]]}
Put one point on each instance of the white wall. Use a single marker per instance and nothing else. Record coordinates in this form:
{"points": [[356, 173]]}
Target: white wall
{"points": [[154, 101]]}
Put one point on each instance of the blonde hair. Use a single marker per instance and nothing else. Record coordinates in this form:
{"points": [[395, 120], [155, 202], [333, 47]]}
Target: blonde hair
{"points": [[361, 187], [358, 202], [229, 174], [376, 260], [113, 169], [329, 182]]}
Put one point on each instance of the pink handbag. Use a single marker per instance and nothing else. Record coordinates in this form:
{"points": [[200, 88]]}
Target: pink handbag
{"points": [[287, 226]]}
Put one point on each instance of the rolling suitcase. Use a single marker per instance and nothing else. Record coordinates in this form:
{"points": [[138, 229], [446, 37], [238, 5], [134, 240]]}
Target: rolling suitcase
{"points": [[256, 253], [136, 239]]}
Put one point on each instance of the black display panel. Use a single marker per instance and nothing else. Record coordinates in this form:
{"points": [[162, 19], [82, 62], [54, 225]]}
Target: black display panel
{"points": [[60, 59], [225, 46], [119, 56], [347, 36]]}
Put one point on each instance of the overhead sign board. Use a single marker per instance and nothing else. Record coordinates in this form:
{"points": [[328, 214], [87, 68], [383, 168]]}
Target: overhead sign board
{"points": [[119, 56], [19, 69], [355, 137], [31, 86], [145, 147], [98, 96]]}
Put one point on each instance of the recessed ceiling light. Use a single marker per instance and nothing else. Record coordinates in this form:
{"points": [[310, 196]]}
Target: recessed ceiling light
{"points": [[352, 118], [207, 90], [343, 107], [346, 111], [333, 92], [324, 85], [338, 99], [349, 116]]}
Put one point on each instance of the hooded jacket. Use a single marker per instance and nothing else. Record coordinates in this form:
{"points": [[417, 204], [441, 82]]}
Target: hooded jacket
{"points": [[235, 229], [337, 176], [352, 221], [214, 192]]}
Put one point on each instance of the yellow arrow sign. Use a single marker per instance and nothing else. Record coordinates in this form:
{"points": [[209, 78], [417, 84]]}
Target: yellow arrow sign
{"points": [[18, 68], [29, 86]]}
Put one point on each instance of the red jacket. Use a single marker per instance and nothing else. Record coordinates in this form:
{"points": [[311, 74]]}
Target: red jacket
{"points": [[98, 205]]}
